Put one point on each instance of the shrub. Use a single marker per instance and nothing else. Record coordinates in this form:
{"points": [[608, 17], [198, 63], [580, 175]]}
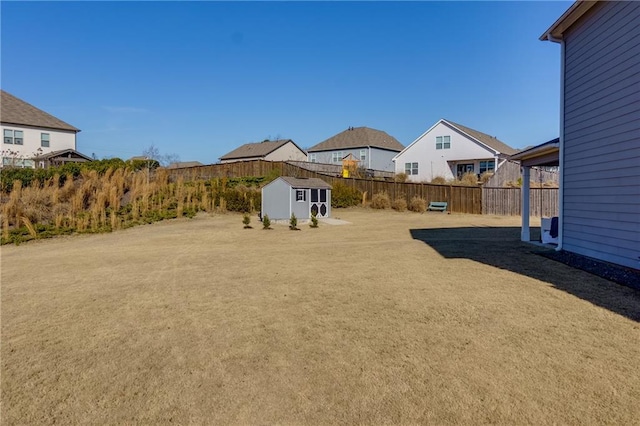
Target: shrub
{"points": [[293, 223], [439, 180], [401, 177], [246, 220], [484, 178], [237, 200], [314, 221], [399, 204], [345, 196], [469, 179], [380, 201], [418, 205], [266, 222]]}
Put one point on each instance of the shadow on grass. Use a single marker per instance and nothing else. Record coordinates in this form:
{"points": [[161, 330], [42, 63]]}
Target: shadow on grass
{"points": [[501, 247]]}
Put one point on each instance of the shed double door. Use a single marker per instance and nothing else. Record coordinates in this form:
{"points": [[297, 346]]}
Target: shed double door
{"points": [[318, 205]]}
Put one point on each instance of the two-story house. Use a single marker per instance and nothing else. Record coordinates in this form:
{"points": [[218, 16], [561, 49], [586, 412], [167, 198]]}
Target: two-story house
{"points": [[374, 149], [450, 150], [28, 133]]}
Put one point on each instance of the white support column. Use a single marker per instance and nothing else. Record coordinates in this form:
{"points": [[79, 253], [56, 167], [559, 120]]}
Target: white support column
{"points": [[525, 234]]}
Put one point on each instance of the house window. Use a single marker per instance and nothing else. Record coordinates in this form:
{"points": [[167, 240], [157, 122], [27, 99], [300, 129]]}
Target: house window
{"points": [[443, 142], [487, 166], [323, 195], [363, 155], [336, 157], [312, 158], [301, 195], [411, 168], [8, 136], [44, 140], [314, 195], [18, 137]]}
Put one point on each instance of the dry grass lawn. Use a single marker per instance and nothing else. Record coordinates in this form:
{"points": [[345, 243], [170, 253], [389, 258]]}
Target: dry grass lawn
{"points": [[388, 320]]}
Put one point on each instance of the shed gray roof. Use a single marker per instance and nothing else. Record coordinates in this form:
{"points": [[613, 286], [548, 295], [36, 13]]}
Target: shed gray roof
{"points": [[16, 111], [257, 149], [356, 137], [490, 141], [306, 182]]}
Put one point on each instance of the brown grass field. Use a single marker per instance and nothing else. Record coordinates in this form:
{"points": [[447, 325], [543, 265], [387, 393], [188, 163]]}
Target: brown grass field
{"points": [[396, 318]]}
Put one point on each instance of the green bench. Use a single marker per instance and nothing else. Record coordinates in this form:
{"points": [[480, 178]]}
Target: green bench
{"points": [[438, 206]]}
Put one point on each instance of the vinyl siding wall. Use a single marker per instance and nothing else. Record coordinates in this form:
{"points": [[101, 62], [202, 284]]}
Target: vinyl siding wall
{"points": [[58, 140], [287, 152], [376, 159], [601, 170]]}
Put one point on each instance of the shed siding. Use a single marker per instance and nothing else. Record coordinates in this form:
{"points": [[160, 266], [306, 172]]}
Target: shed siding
{"points": [[601, 151], [300, 208], [276, 200]]}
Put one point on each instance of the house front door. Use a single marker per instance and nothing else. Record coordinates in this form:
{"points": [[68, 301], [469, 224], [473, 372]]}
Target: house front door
{"points": [[318, 205]]}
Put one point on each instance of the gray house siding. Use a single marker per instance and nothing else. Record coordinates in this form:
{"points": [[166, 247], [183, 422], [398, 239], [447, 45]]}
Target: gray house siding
{"points": [[376, 159], [601, 147], [276, 198], [300, 208]]}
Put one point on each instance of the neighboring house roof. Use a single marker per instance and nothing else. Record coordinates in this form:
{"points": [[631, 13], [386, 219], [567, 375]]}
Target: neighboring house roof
{"points": [[67, 153], [568, 18], [258, 149], [356, 137], [182, 164], [17, 111], [490, 141], [306, 182]]}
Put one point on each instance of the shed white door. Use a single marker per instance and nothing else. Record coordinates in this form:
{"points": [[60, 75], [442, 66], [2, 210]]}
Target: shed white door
{"points": [[318, 205]]}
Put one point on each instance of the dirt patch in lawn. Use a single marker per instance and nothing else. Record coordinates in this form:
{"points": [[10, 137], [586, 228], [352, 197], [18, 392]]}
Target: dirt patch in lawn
{"points": [[393, 318]]}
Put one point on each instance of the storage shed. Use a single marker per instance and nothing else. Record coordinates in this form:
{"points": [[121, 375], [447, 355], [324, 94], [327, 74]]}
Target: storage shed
{"points": [[300, 196]]}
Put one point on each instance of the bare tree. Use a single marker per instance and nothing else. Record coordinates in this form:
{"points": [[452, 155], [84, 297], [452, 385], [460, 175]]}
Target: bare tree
{"points": [[153, 153]]}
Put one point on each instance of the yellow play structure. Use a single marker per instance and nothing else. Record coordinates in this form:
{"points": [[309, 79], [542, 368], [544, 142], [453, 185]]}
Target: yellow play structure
{"points": [[349, 166]]}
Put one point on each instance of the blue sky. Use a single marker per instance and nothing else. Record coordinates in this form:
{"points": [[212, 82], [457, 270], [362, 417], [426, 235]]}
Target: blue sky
{"points": [[198, 79]]}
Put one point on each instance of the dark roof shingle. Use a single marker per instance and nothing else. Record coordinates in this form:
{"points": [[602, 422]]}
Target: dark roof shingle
{"points": [[490, 141], [306, 182], [258, 149], [359, 137], [16, 111]]}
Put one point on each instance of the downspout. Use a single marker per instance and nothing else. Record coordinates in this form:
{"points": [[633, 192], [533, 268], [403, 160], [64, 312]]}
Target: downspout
{"points": [[561, 137], [369, 156]]}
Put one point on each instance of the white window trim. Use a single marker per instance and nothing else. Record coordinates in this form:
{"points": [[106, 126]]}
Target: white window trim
{"points": [[304, 195]]}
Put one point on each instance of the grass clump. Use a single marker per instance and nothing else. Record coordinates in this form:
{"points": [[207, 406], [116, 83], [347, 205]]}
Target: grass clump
{"points": [[399, 204], [401, 177], [439, 180], [418, 205], [380, 201]]}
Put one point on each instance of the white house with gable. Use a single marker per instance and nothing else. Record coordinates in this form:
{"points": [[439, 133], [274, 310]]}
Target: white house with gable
{"points": [[29, 132], [450, 150]]}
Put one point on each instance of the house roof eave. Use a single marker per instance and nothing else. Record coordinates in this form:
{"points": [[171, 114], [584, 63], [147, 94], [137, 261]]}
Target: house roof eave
{"points": [[556, 31]]}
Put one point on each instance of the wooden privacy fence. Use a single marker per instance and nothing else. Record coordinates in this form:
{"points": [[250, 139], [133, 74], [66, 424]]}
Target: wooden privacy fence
{"points": [[461, 199], [543, 202]]}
